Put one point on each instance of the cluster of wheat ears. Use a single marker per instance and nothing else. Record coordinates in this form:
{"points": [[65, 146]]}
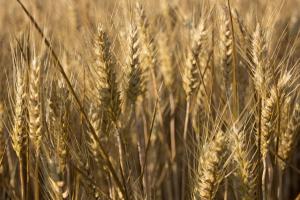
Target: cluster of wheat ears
{"points": [[154, 100]]}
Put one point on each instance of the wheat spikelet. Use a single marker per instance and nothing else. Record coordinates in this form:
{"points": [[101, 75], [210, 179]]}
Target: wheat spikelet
{"points": [[148, 55], [285, 115], [62, 135], [91, 186], [287, 140], [57, 186], [35, 117], [105, 66], [191, 71], [110, 100], [262, 83], [242, 27], [190, 78], [135, 75], [92, 144], [247, 176], [282, 88], [266, 124], [211, 167], [18, 134], [261, 68], [226, 51], [59, 109], [199, 36], [277, 95]]}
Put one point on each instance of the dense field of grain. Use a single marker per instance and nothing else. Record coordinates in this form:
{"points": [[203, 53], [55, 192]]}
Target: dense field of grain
{"points": [[153, 99]]}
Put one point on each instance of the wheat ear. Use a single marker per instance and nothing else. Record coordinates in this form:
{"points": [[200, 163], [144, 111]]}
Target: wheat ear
{"points": [[92, 144], [246, 163], [288, 138], [59, 109], [19, 132], [35, 117], [211, 167], [191, 71], [106, 66], [35, 123], [135, 74], [147, 41], [261, 69]]}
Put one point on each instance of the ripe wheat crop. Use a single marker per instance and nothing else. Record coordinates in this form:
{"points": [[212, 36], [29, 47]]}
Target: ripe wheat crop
{"points": [[160, 99]]}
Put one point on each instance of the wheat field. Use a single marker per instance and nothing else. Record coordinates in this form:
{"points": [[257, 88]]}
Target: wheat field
{"points": [[153, 99]]}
